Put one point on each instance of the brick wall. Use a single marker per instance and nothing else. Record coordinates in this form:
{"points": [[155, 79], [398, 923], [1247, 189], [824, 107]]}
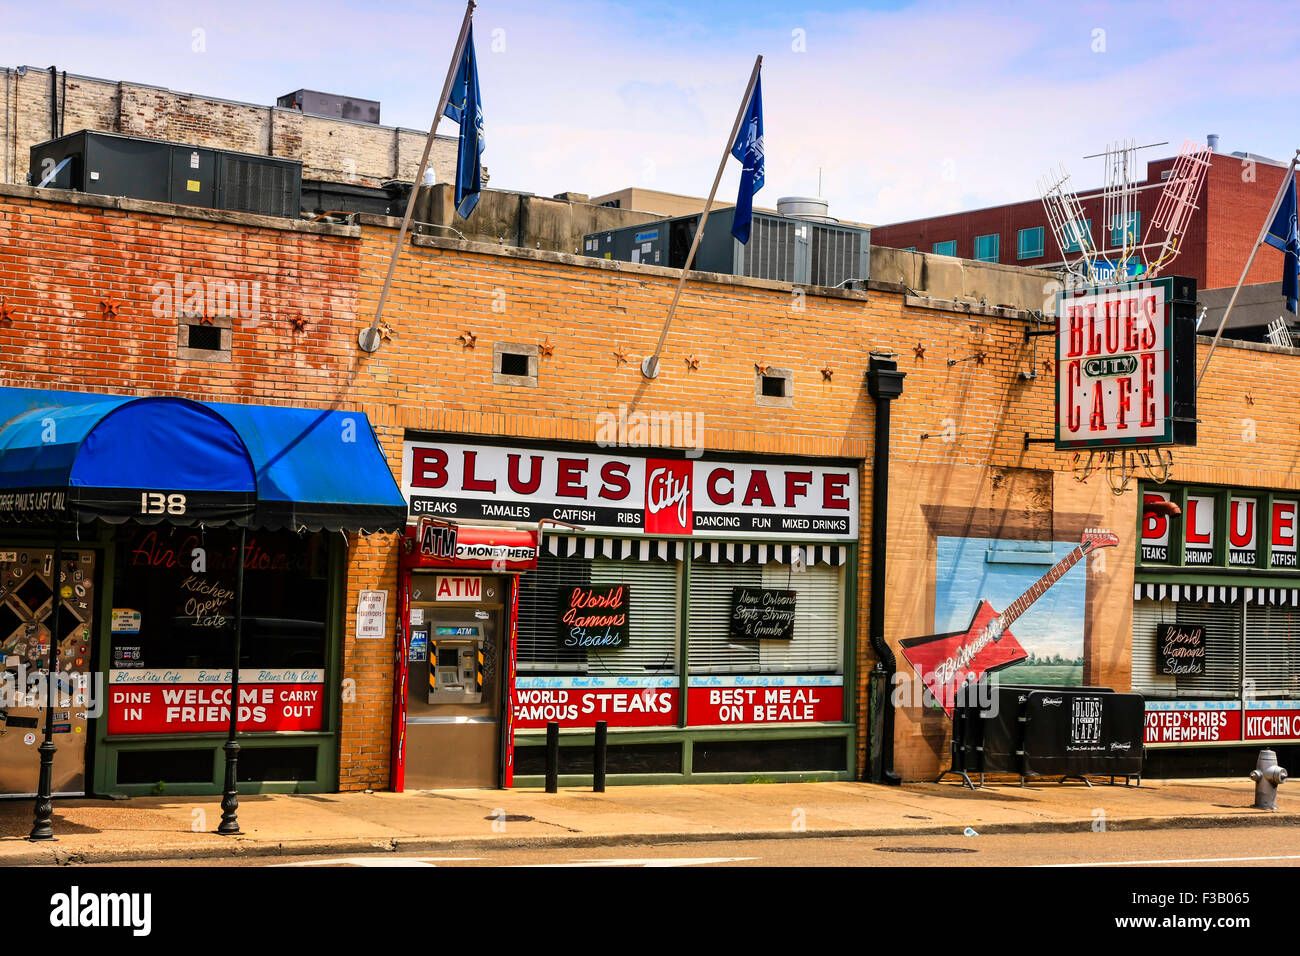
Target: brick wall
{"points": [[60, 259], [330, 149]]}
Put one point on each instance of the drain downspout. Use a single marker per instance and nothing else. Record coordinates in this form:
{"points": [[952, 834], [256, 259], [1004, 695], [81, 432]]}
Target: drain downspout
{"points": [[885, 383], [54, 102]]}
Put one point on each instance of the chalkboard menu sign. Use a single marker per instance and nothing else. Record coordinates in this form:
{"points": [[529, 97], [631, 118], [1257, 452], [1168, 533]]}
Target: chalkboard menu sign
{"points": [[1180, 649], [762, 614], [594, 616]]}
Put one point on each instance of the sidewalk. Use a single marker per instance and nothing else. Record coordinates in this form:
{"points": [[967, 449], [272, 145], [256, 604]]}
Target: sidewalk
{"points": [[94, 831]]}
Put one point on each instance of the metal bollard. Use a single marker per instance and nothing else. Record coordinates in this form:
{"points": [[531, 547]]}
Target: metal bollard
{"points": [[552, 757], [600, 752], [1268, 776]]}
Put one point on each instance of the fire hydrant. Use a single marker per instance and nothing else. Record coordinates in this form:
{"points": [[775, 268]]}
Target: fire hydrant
{"points": [[1268, 776]]}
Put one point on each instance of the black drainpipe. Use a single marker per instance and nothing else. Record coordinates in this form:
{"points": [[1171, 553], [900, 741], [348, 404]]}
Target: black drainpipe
{"points": [[54, 102], [885, 383]]}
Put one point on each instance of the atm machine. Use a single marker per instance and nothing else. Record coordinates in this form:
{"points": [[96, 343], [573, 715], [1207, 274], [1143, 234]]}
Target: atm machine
{"points": [[27, 595], [454, 690]]}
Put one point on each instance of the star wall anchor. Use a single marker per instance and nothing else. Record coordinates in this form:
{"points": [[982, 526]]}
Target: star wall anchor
{"points": [[109, 309], [827, 373], [299, 323], [620, 357], [761, 367], [386, 332], [467, 339], [546, 348], [692, 363], [918, 350], [7, 314]]}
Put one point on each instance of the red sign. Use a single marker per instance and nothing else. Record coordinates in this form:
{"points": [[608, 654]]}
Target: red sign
{"points": [[138, 708], [707, 706], [668, 508], [442, 544], [1192, 726], [583, 706], [1272, 725]]}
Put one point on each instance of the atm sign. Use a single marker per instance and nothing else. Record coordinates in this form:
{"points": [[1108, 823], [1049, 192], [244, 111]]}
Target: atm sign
{"points": [[450, 587]]}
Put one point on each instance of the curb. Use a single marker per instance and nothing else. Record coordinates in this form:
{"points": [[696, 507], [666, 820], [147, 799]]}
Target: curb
{"points": [[52, 855]]}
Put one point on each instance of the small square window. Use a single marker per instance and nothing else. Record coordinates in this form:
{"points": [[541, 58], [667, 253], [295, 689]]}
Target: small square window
{"points": [[1132, 225], [1075, 233], [514, 364], [203, 338], [987, 248], [774, 387], [1030, 243]]}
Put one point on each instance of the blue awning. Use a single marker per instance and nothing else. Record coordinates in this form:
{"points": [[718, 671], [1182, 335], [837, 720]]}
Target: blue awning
{"points": [[114, 458]]}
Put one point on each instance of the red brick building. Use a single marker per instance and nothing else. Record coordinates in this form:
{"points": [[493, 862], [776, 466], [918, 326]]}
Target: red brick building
{"points": [[1233, 202]]}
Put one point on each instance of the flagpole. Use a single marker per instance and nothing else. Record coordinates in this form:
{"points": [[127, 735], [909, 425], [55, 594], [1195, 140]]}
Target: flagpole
{"points": [[1268, 221], [650, 366], [369, 338]]}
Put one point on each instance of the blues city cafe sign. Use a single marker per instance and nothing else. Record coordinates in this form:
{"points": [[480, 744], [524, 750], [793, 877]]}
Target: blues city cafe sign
{"points": [[1230, 528], [1124, 365], [630, 491]]}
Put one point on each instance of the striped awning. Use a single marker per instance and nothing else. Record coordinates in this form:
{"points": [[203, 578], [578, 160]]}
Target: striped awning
{"points": [[620, 549], [742, 553], [672, 549], [1214, 594]]}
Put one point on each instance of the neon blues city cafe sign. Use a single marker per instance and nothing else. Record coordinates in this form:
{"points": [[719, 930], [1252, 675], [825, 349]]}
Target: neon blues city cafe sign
{"points": [[1121, 377], [629, 491]]}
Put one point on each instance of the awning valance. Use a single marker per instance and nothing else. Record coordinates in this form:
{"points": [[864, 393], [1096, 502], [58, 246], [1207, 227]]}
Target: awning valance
{"points": [[73, 455]]}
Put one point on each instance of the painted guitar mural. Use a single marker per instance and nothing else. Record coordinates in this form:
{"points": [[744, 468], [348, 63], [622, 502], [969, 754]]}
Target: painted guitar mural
{"points": [[945, 662]]}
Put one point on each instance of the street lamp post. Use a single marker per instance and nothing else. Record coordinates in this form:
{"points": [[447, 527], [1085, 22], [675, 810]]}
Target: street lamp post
{"points": [[229, 825]]}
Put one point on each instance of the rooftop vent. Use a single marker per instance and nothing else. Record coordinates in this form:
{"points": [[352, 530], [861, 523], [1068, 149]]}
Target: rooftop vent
{"points": [[332, 105], [804, 207]]}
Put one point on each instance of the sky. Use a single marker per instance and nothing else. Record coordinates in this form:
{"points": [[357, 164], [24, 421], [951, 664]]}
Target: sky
{"points": [[903, 110]]}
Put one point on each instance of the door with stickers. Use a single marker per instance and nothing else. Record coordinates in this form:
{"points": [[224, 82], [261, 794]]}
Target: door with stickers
{"points": [[29, 587]]}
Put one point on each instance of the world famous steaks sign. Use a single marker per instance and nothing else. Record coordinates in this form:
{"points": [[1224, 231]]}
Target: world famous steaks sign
{"points": [[630, 492]]}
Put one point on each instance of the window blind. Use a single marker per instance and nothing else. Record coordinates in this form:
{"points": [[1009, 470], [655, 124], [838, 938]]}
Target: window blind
{"points": [[653, 588], [1273, 651], [818, 642], [1223, 631]]}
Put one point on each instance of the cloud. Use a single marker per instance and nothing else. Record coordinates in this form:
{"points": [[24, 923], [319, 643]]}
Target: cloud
{"points": [[907, 110]]}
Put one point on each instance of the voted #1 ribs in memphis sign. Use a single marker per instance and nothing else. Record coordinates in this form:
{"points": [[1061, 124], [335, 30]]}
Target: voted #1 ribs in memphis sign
{"points": [[1114, 369]]}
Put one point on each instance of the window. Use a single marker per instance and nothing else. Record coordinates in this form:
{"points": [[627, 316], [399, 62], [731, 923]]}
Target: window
{"points": [[1132, 225], [1273, 650], [948, 248], [1223, 626], [1030, 243], [818, 642], [652, 616], [187, 617], [774, 387], [514, 364], [1075, 232], [909, 248], [203, 338], [986, 248]]}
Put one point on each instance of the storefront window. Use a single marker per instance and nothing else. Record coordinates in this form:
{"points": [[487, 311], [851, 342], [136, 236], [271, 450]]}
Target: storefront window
{"points": [[174, 599], [816, 638], [1221, 679], [652, 589]]}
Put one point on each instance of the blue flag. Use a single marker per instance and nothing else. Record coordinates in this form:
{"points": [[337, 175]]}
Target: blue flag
{"points": [[748, 148], [465, 108], [1283, 234]]}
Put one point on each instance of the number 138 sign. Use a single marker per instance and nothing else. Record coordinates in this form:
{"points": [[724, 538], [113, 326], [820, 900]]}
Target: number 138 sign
{"points": [[158, 503]]}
